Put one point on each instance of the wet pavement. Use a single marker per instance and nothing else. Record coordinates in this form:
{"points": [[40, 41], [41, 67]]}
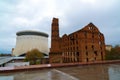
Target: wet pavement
{"points": [[87, 72]]}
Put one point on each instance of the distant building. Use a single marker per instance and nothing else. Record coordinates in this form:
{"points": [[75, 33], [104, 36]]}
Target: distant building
{"points": [[28, 40], [84, 45], [108, 47]]}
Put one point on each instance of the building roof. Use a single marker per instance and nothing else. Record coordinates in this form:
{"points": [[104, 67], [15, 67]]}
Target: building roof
{"points": [[89, 27], [30, 32]]}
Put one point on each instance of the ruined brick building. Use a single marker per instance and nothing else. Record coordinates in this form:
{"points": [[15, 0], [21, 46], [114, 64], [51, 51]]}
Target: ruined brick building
{"points": [[84, 45]]}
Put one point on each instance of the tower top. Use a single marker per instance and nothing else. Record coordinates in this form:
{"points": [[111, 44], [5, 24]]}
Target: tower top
{"points": [[55, 20]]}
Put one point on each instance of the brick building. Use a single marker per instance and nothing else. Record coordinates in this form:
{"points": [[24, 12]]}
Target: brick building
{"points": [[84, 45]]}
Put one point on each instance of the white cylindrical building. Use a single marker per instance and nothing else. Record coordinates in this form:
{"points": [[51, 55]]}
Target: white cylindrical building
{"points": [[28, 40]]}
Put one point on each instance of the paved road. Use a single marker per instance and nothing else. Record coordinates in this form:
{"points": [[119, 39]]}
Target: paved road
{"points": [[88, 72]]}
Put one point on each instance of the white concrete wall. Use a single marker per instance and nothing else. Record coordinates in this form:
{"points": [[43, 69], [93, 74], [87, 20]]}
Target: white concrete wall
{"points": [[26, 43]]}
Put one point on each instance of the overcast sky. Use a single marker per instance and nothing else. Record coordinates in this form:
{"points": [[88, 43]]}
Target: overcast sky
{"points": [[17, 15]]}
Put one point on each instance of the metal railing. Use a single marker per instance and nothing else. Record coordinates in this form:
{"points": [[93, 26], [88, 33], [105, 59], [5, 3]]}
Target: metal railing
{"points": [[4, 60]]}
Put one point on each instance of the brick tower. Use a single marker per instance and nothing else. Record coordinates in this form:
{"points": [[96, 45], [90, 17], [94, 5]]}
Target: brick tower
{"points": [[55, 52], [55, 36]]}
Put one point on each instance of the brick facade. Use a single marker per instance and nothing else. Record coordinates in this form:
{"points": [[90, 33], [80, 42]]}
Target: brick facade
{"points": [[84, 45]]}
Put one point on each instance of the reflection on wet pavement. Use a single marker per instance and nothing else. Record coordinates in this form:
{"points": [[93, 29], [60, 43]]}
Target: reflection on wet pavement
{"points": [[52, 74], [90, 72], [114, 72]]}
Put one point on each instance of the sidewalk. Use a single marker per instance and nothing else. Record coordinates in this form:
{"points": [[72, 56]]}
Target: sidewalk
{"points": [[47, 66]]}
